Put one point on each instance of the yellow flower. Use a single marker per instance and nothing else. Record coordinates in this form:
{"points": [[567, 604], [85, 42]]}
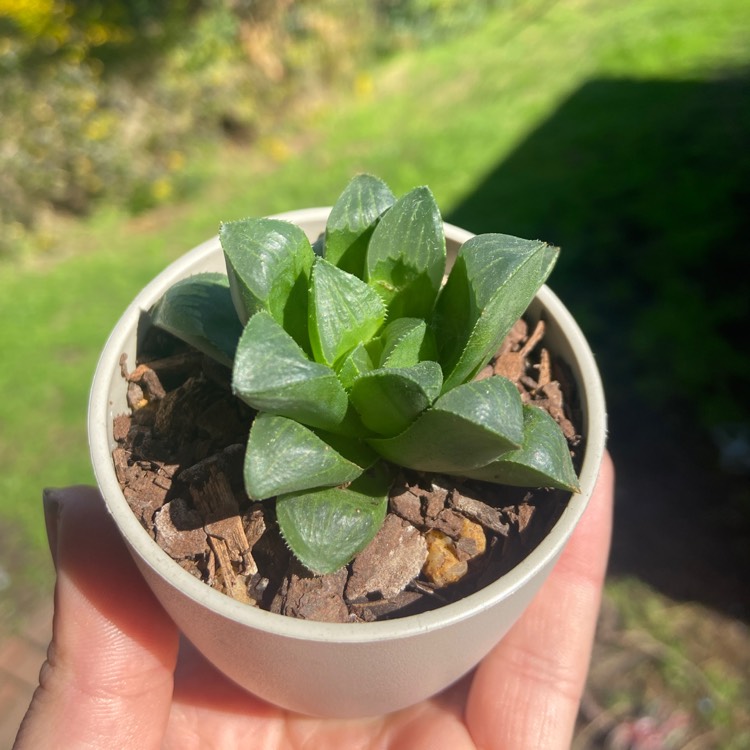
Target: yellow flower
{"points": [[98, 128], [87, 102], [38, 19], [161, 189], [363, 85], [97, 34], [277, 149], [33, 16]]}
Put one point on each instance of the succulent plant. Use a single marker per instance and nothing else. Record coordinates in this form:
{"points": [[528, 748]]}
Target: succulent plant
{"points": [[358, 354]]}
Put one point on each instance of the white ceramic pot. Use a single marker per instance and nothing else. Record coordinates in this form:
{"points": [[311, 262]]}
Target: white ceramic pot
{"points": [[353, 669]]}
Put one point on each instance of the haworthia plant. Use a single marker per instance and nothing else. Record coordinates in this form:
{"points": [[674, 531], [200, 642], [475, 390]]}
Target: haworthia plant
{"points": [[357, 357]]}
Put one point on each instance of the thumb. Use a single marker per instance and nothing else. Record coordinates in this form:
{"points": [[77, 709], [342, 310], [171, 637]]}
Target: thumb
{"points": [[107, 681]]}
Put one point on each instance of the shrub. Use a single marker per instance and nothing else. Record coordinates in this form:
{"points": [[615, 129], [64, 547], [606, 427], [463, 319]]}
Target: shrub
{"points": [[107, 101]]}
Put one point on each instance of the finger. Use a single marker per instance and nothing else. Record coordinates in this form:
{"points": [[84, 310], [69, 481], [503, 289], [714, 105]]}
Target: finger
{"points": [[526, 693], [107, 681]]}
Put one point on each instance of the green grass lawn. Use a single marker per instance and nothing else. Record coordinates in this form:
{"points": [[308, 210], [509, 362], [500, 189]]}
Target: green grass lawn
{"points": [[447, 116]]}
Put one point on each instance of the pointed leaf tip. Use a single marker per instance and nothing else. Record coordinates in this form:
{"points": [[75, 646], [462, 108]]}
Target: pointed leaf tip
{"points": [[406, 256], [352, 221], [326, 528], [465, 428], [492, 282], [543, 460], [285, 456], [268, 264], [344, 311]]}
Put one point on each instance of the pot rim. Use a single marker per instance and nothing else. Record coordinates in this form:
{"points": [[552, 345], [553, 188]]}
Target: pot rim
{"points": [[100, 415]]}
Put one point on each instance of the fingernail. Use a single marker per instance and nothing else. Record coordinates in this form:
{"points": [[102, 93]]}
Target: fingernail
{"points": [[52, 504]]}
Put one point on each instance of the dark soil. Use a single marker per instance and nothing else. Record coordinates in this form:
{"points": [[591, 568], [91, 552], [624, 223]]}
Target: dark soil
{"points": [[179, 461]]}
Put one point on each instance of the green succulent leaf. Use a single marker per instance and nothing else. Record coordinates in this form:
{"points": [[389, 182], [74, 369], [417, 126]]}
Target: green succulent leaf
{"points": [[284, 456], [268, 264], [406, 341], [543, 460], [352, 220], [326, 528], [389, 399], [199, 310], [273, 374], [356, 363], [492, 282], [352, 449], [344, 311], [406, 256], [467, 427]]}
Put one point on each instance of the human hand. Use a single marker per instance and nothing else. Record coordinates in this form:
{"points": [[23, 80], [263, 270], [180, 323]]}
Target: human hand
{"points": [[117, 676]]}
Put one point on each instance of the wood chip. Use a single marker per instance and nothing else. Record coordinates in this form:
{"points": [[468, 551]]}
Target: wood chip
{"points": [[254, 523], [149, 382], [228, 462], [226, 579], [136, 397], [389, 563], [551, 400], [449, 522], [545, 368], [407, 504], [515, 338], [511, 362], [310, 597], [489, 517], [144, 496], [120, 427], [215, 501], [433, 502], [520, 515], [486, 372], [121, 461], [179, 531]]}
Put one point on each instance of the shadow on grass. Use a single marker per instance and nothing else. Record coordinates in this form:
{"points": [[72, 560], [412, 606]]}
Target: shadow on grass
{"points": [[646, 187]]}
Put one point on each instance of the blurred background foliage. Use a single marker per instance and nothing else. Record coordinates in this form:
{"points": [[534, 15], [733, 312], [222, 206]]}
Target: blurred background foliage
{"points": [[103, 100]]}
